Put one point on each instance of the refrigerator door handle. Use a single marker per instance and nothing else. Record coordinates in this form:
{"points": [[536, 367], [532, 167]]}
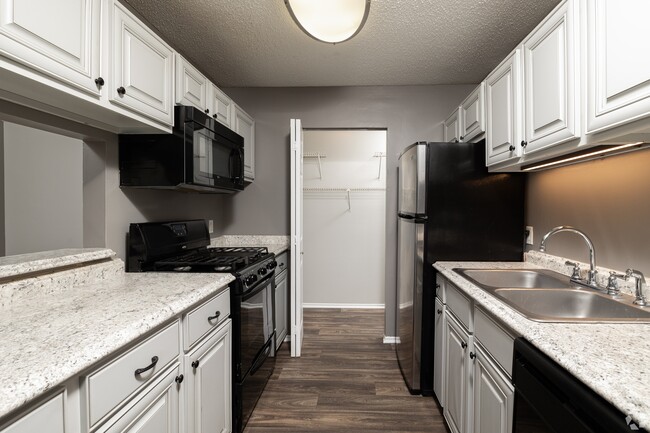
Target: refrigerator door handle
{"points": [[406, 216]]}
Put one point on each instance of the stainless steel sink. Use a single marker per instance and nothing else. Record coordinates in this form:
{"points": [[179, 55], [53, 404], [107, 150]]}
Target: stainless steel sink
{"points": [[546, 296], [570, 305], [519, 278]]}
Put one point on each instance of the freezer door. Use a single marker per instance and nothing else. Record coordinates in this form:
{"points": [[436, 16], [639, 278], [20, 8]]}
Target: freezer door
{"points": [[412, 180], [409, 300]]}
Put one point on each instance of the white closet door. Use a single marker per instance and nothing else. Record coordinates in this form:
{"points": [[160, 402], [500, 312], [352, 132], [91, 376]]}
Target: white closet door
{"points": [[296, 237]]}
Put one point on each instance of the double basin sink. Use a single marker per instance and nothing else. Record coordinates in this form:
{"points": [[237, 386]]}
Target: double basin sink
{"points": [[547, 296]]}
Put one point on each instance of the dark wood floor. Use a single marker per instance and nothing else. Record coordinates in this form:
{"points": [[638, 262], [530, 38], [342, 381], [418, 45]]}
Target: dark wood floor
{"points": [[347, 380]]}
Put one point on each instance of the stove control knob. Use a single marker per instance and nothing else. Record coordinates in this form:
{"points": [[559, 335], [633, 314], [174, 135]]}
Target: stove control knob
{"points": [[251, 279], [272, 265], [261, 271]]}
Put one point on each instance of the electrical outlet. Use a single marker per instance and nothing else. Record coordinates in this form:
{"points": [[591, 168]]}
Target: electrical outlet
{"points": [[210, 226], [529, 238]]}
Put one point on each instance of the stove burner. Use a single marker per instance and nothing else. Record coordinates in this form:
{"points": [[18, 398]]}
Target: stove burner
{"points": [[220, 259]]}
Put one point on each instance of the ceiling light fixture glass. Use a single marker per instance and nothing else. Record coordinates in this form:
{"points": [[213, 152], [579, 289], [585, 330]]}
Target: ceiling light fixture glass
{"points": [[331, 21]]}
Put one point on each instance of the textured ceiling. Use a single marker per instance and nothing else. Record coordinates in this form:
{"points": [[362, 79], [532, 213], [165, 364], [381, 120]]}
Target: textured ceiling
{"points": [[255, 43]]}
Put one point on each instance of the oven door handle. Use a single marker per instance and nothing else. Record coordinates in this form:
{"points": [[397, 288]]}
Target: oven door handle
{"points": [[259, 359]]}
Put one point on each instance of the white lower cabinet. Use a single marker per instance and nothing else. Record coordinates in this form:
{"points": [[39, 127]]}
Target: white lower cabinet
{"points": [[493, 397], [45, 417], [457, 375], [209, 389], [478, 395], [439, 353]]}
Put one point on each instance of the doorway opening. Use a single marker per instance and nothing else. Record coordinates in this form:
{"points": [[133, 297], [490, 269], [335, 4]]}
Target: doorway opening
{"points": [[344, 208]]}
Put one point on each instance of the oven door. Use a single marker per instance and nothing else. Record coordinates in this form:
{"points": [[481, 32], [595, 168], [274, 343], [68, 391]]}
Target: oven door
{"points": [[256, 326], [215, 160]]}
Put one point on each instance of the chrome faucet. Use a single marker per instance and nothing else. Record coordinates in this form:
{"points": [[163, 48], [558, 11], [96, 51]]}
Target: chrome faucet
{"points": [[591, 275], [640, 279]]}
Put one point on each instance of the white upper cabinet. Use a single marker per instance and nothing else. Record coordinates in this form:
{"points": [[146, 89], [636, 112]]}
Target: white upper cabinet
{"points": [[452, 127], [618, 64], [220, 106], [57, 38], [244, 125], [191, 85], [551, 97], [503, 109], [141, 66], [472, 114]]}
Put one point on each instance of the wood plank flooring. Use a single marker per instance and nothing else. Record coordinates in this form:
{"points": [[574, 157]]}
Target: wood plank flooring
{"points": [[347, 381]]}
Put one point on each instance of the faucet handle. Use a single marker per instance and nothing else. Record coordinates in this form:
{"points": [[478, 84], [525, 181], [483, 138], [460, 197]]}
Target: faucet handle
{"points": [[612, 285], [640, 299], [575, 275]]}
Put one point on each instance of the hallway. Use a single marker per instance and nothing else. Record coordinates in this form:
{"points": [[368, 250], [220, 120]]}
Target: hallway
{"points": [[346, 381]]}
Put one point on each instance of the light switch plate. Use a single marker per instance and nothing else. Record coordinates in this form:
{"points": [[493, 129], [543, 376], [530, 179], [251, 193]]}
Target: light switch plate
{"points": [[529, 238], [210, 226]]}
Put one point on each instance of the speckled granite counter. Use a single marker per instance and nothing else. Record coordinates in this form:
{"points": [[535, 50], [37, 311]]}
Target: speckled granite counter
{"points": [[612, 359], [275, 244], [65, 322]]}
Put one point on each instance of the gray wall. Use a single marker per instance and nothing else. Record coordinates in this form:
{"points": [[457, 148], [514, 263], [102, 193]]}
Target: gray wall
{"points": [[608, 199], [107, 209], [42, 190], [410, 113]]}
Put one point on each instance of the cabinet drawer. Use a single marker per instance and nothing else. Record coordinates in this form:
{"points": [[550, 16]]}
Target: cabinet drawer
{"points": [[155, 409], [47, 417], [109, 386], [202, 319], [283, 262], [498, 342], [459, 305]]}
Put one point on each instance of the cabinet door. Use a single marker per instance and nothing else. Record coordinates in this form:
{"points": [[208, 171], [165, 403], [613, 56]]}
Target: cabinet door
{"points": [[452, 128], [618, 67], [244, 125], [493, 396], [45, 417], [281, 317], [457, 383], [220, 106], [472, 114], [503, 110], [550, 81], [142, 68], [191, 85], [439, 353], [209, 386], [58, 38]]}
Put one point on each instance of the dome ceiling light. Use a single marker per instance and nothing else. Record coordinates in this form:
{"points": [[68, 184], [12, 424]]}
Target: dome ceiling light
{"points": [[330, 21]]}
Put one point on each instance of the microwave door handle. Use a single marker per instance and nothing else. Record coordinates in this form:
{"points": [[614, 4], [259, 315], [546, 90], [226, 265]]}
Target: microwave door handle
{"points": [[240, 156]]}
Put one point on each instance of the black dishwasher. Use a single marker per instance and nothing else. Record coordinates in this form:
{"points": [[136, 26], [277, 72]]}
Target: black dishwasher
{"points": [[550, 399]]}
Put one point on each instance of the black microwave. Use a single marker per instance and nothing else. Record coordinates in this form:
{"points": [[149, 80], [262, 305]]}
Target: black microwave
{"points": [[199, 155]]}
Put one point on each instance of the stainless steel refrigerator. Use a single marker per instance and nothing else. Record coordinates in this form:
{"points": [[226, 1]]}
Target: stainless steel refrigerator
{"points": [[449, 208]]}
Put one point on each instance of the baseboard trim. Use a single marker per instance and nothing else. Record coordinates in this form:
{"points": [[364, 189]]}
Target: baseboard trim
{"points": [[391, 340], [346, 306]]}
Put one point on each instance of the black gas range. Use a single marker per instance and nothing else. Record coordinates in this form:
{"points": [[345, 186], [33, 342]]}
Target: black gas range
{"points": [[183, 246]]}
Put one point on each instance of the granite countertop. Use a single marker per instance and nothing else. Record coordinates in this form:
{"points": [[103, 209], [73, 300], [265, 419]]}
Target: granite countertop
{"points": [[611, 359], [275, 244], [55, 330]]}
